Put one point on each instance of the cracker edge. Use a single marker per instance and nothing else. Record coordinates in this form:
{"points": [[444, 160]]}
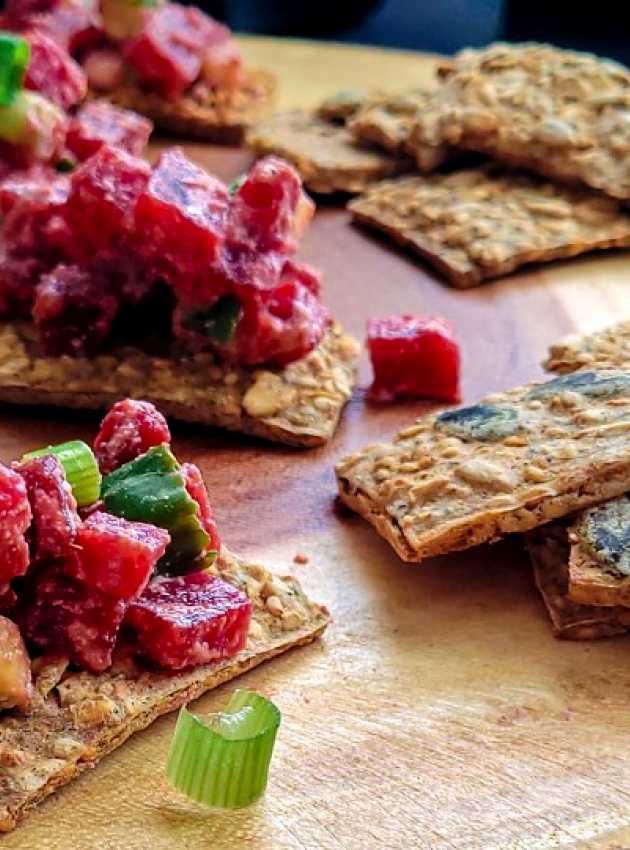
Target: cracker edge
{"points": [[575, 351], [207, 678]]}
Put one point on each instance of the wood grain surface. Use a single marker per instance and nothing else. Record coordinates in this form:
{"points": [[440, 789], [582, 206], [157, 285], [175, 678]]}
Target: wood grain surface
{"points": [[438, 712]]}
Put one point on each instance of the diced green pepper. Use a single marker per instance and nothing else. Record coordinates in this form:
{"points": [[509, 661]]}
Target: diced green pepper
{"points": [[219, 322], [15, 53]]}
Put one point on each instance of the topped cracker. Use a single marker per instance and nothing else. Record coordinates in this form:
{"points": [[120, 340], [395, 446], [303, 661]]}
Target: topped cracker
{"points": [[481, 223], [514, 461], [610, 346], [561, 113]]}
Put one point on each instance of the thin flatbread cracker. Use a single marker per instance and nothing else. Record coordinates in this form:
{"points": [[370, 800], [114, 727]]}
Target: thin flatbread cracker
{"points": [[81, 717], [514, 461], [549, 550], [534, 106], [341, 107], [483, 223], [325, 153], [608, 347], [222, 118], [299, 405]]}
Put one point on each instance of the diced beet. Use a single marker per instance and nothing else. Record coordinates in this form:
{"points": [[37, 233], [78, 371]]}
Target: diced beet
{"points": [[8, 598], [189, 620], [270, 209], [196, 489], [53, 72], [19, 11], [413, 357], [32, 185], [305, 275], [129, 429], [73, 24], [99, 122], [16, 688], [15, 518], [57, 613], [103, 193], [104, 68], [180, 218], [18, 279], [223, 65], [168, 54], [115, 556], [55, 518]]}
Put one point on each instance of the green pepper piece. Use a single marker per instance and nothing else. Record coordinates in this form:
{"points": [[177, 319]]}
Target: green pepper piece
{"points": [[15, 53]]}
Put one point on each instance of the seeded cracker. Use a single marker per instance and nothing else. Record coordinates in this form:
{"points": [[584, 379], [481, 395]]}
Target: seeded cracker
{"points": [[610, 346], [477, 224], [299, 406], [341, 107], [561, 113], [515, 461], [325, 153], [549, 550], [83, 717]]}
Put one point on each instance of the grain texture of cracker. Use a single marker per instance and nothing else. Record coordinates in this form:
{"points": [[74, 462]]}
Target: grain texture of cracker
{"points": [[560, 113], [549, 550], [299, 405], [80, 717], [222, 117], [325, 153], [515, 461], [608, 347], [344, 105], [482, 223]]}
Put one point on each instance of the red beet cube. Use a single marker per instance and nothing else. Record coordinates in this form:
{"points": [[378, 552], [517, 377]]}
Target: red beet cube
{"points": [[129, 429], [100, 123], [103, 193], [57, 613], [196, 489], [73, 311], [15, 518], [53, 72], [32, 185], [104, 68], [180, 218], [55, 517], [169, 52], [73, 24], [8, 598], [189, 620], [116, 556], [270, 210], [413, 357]]}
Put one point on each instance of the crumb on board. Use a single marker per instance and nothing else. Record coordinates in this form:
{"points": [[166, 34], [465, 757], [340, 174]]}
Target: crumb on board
{"points": [[300, 558]]}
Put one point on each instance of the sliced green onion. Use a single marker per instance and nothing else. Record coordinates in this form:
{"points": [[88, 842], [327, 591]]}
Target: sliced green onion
{"points": [[236, 184], [159, 459], [80, 466], [65, 165], [222, 760], [15, 53], [219, 322]]}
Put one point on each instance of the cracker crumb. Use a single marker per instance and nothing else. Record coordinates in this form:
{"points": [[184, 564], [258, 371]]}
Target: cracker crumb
{"points": [[300, 558]]}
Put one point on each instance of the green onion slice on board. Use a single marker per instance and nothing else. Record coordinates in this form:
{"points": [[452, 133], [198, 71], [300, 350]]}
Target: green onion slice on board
{"points": [[80, 466], [222, 760]]}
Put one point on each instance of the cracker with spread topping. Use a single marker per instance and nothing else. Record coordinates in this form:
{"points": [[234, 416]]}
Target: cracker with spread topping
{"points": [[515, 461], [549, 550], [299, 405], [325, 153], [610, 347], [482, 223], [81, 717], [563, 114]]}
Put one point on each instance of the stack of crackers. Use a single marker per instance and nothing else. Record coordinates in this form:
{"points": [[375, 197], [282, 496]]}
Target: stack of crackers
{"points": [[550, 460], [553, 125]]}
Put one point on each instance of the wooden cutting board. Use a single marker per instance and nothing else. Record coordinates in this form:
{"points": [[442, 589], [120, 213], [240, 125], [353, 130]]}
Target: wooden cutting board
{"points": [[438, 712]]}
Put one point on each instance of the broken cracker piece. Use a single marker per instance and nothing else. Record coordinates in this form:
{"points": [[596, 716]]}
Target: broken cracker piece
{"points": [[482, 223], [86, 716], [610, 346]]}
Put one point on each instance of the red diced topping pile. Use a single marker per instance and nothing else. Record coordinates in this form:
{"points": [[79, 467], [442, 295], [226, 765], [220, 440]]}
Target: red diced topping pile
{"points": [[413, 357], [53, 72], [116, 556], [189, 620], [129, 429], [100, 123], [55, 517], [15, 518], [196, 489], [169, 53], [31, 185]]}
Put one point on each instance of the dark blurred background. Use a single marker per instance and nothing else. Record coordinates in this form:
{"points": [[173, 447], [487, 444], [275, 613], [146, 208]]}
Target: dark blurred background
{"points": [[443, 26]]}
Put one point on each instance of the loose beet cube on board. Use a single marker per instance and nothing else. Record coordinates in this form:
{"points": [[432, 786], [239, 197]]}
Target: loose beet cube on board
{"points": [[180, 218], [53, 72], [15, 518], [73, 311], [103, 194], [196, 489], [100, 123], [168, 54], [189, 620], [129, 429], [413, 357], [57, 613], [55, 517], [116, 556]]}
